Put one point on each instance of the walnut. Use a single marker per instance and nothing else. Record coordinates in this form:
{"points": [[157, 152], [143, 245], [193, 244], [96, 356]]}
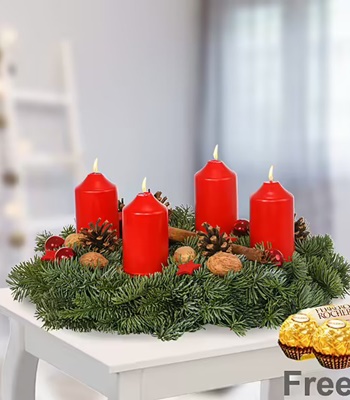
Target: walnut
{"points": [[73, 240], [94, 260], [221, 263], [184, 254]]}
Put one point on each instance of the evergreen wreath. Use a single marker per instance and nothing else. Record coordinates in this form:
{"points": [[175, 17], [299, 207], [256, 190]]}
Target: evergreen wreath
{"points": [[166, 305]]}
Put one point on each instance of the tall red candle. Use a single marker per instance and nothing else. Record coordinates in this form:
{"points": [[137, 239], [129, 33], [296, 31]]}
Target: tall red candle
{"points": [[145, 235], [216, 196], [272, 217], [96, 197]]}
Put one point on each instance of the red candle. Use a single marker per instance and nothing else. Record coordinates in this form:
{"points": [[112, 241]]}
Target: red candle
{"points": [[96, 197], [216, 196], [272, 217], [145, 235]]}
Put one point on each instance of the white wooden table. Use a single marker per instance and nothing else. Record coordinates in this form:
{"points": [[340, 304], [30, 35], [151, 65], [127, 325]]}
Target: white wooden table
{"points": [[141, 367]]}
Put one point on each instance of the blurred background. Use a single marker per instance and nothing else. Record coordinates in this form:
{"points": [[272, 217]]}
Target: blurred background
{"points": [[149, 87]]}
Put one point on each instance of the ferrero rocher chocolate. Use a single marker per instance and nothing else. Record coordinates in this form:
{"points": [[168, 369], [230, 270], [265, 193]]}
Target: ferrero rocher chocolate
{"points": [[295, 336], [297, 330], [333, 337], [331, 344]]}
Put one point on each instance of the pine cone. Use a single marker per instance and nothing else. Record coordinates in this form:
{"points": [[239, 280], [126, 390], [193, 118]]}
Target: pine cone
{"points": [[100, 238], [163, 200], [212, 241], [301, 229]]}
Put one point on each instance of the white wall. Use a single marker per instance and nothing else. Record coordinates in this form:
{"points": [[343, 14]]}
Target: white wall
{"points": [[136, 69], [136, 64]]}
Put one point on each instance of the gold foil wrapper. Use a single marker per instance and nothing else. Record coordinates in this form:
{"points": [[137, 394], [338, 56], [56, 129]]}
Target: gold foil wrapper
{"points": [[297, 330], [332, 338], [323, 332]]}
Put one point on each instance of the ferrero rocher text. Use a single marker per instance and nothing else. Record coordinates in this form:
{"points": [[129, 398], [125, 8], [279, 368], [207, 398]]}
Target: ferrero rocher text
{"points": [[324, 313]]}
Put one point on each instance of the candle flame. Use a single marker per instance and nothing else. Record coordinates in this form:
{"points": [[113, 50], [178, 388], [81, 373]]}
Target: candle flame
{"points": [[95, 166], [216, 152], [271, 173], [144, 185]]}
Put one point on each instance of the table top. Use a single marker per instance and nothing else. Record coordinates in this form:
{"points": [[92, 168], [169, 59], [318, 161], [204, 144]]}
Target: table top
{"points": [[129, 352]]}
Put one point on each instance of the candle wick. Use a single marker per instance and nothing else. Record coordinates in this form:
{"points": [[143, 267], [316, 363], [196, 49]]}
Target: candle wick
{"points": [[95, 166], [149, 190], [271, 174], [216, 152]]}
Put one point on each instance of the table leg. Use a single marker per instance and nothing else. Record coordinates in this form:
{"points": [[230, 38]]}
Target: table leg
{"points": [[125, 386], [19, 369], [272, 389]]}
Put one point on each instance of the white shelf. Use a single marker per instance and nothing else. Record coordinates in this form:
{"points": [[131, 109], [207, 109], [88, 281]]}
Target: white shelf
{"points": [[45, 160], [47, 99], [54, 223], [31, 162]]}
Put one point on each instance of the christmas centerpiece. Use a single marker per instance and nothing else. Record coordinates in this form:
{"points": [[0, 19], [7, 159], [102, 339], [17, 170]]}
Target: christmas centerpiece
{"points": [[147, 268]]}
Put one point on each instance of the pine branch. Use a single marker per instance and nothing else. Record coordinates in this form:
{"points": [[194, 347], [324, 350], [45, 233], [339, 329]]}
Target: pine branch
{"points": [[166, 305], [315, 246], [243, 241], [40, 241], [328, 278], [67, 230], [192, 242], [183, 217], [297, 270]]}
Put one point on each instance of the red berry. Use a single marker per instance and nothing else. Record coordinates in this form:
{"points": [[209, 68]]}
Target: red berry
{"points": [[241, 227], [275, 257], [64, 252], [54, 243]]}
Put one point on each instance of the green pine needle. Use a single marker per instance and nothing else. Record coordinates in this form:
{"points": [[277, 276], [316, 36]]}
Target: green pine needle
{"points": [[68, 230], [183, 217], [40, 241], [165, 305]]}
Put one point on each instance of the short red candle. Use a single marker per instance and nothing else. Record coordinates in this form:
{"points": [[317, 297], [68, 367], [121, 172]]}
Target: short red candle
{"points": [[96, 197], [216, 196], [272, 218], [145, 235]]}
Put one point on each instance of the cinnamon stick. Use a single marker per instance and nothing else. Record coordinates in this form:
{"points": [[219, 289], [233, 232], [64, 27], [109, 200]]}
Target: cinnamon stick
{"points": [[252, 254], [179, 235]]}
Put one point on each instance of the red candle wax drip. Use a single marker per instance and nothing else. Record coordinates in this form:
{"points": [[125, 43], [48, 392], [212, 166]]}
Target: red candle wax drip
{"points": [[96, 197], [145, 235], [216, 196], [272, 218]]}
